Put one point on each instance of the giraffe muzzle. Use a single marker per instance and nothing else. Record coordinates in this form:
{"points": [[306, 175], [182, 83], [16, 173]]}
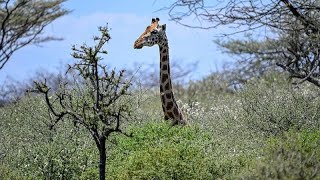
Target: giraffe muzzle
{"points": [[138, 44], [137, 47]]}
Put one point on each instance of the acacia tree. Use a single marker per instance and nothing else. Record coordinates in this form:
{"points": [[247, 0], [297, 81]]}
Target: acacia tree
{"points": [[252, 59], [22, 22], [95, 100], [291, 26]]}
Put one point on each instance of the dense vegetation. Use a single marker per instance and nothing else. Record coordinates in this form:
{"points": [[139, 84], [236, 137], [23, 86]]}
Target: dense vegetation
{"points": [[250, 121], [266, 130]]}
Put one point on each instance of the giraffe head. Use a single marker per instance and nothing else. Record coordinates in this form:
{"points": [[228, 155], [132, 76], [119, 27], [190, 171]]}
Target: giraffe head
{"points": [[154, 34]]}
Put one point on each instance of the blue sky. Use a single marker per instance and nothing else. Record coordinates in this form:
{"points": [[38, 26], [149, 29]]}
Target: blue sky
{"points": [[127, 20]]}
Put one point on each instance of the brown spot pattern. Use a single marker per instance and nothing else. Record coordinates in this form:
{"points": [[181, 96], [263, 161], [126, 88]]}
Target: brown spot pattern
{"points": [[163, 99], [175, 111], [166, 87], [164, 51], [169, 105], [170, 115], [164, 58], [164, 77], [164, 67]]}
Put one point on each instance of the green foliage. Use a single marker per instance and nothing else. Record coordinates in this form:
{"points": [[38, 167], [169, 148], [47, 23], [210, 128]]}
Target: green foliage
{"points": [[273, 106], [30, 149], [294, 156], [224, 139], [7, 174], [95, 101], [90, 174], [160, 151], [251, 59]]}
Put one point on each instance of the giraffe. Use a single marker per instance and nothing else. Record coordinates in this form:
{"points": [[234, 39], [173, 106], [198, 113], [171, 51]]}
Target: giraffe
{"points": [[156, 34]]}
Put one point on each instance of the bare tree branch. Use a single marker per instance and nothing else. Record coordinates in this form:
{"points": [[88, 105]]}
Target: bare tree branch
{"points": [[292, 24], [22, 22]]}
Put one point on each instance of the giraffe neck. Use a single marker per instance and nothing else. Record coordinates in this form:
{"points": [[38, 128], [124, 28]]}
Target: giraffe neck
{"points": [[169, 105]]}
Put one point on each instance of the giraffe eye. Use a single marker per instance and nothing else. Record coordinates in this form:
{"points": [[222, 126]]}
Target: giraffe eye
{"points": [[154, 32]]}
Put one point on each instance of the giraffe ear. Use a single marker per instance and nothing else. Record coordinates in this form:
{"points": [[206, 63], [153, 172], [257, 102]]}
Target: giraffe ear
{"points": [[163, 27]]}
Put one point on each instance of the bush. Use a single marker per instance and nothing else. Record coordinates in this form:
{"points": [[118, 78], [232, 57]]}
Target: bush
{"points": [[273, 106], [294, 156], [7, 174], [160, 151], [90, 174], [222, 141], [32, 150]]}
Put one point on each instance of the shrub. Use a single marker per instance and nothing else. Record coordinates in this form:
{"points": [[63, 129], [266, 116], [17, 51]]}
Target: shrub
{"points": [[90, 174], [7, 174], [273, 106], [296, 155], [159, 151], [32, 150]]}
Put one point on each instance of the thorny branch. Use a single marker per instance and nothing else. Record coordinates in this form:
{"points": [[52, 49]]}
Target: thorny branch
{"points": [[94, 100], [22, 23], [293, 24]]}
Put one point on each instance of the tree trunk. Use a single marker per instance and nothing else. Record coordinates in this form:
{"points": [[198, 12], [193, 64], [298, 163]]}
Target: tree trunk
{"points": [[103, 158]]}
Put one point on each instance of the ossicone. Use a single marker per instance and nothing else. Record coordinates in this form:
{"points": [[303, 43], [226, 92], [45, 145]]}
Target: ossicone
{"points": [[155, 20]]}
